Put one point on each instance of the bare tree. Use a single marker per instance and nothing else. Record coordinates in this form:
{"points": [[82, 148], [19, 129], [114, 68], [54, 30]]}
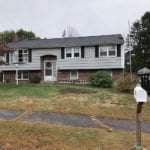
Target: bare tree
{"points": [[70, 32]]}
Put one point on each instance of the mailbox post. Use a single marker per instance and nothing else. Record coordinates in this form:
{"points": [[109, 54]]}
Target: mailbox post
{"points": [[140, 96]]}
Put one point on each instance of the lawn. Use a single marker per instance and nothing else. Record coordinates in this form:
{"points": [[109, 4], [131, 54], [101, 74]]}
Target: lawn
{"points": [[22, 136], [70, 99], [73, 99]]}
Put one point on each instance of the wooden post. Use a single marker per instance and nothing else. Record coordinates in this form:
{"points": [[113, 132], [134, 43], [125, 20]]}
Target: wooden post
{"points": [[138, 126]]}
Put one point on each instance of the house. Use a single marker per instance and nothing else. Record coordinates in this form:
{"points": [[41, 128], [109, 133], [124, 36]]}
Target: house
{"points": [[64, 59]]}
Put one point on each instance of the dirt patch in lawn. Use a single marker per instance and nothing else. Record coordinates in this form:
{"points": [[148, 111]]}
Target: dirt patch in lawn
{"points": [[111, 102], [77, 91]]}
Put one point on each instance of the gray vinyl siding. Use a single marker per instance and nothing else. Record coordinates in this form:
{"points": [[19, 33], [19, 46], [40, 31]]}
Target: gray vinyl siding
{"points": [[89, 62], [36, 60]]}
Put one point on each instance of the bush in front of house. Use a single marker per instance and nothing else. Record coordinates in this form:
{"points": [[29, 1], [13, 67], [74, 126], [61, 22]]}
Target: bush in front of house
{"points": [[101, 79], [127, 84], [35, 79]]}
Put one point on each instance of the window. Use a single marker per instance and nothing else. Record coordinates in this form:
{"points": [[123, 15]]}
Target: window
{"points": [[11, 57], [23, 56], [73, 52], [23, 75], [74, 75], [112, 51], [2, 54], [103, 51], [77, 52], [68, 52], [107, 51]]}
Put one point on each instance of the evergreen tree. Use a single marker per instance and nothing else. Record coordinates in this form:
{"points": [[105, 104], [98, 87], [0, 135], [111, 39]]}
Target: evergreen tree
{"points": [[141, 47]]}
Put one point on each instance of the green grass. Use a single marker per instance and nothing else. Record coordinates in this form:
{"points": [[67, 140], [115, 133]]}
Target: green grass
{"points": [[71, 99]]}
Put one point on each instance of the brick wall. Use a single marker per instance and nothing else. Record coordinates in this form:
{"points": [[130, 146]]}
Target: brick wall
{"points": [[36, 73], [10, 76], [63, 75], [84, 75], [117, 74]]}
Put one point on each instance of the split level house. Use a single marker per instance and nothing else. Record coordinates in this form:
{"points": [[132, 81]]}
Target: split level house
{"points": [[71, 59]]}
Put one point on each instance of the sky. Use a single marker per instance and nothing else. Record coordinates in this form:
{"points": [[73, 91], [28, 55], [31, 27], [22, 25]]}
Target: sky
{"points": [[48, 18]]}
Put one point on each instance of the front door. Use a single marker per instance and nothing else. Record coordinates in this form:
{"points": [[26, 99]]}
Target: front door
{"points": [[48, 71]]}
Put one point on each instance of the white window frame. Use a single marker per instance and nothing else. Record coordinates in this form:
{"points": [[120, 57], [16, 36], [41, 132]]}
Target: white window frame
{"points": [[66, 53], [22, 76], [72, 78], [107, 51], [72, 52], [25, 59]]}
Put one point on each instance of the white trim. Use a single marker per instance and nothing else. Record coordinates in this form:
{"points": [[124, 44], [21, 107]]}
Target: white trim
{"points": [[23, 55], [107, 51], [17, 76], [76, 77], [72, 52], [52, 77], [123, 56]]}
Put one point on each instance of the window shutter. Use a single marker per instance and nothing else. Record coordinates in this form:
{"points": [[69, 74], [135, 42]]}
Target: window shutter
{"points": [[118, 50], [96, 51], [62, 53], [30, 55], [82, 52], [7, 58]]}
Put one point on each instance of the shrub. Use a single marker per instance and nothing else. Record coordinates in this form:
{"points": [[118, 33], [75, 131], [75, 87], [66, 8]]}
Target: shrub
{"points": [[126, 84], [101, 79], [35, 79]]}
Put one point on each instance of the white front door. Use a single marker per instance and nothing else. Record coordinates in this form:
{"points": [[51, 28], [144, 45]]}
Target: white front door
{"points": [[48, 71]]}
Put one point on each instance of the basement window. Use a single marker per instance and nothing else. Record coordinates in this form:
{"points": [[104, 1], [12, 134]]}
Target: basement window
{"points": [[74, 75], [23, 75]]}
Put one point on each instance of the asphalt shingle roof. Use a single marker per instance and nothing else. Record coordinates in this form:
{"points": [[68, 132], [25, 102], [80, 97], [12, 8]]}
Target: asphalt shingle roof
{"points": [[66, 42]]}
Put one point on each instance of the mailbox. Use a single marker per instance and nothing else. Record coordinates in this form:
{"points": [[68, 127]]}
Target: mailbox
{"points": [[140, 94]]}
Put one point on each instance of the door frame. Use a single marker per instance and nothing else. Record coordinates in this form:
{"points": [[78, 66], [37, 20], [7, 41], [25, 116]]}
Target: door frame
{"points": [[50, 78]]}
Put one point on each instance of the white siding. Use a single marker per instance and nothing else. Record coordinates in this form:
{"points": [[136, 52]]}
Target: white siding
{"points": [[36, 60], [89, 62]]}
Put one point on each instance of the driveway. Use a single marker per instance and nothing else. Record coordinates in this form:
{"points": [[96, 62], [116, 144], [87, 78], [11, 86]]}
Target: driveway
{"points": [[74, 120]]}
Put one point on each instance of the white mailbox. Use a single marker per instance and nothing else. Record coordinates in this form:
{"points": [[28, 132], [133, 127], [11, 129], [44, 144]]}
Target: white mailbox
{"points": [[140, 94]]}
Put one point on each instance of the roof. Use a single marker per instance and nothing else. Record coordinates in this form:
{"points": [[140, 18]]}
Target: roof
{"points": [[145, 70], [71, 41]]}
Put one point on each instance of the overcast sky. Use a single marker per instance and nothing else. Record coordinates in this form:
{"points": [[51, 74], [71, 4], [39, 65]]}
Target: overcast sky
{"points": [[48, 18]]}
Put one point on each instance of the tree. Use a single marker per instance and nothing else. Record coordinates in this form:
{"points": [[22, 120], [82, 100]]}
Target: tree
{"points": [[3, 50], [70, 32], [140, 32], [10, 35]]}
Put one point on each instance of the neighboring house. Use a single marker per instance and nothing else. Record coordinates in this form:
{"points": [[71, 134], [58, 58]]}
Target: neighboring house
{"points": [[64, 59]]}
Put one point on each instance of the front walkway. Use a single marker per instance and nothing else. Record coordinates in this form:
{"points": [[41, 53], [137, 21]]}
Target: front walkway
{"points": [[72, 120]]}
